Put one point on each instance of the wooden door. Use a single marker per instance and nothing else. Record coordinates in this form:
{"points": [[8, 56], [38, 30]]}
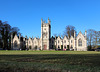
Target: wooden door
{"points": [[45, 47]]}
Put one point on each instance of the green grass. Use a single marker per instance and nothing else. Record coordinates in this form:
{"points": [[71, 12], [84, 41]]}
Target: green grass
{"points": [[49, 61]]}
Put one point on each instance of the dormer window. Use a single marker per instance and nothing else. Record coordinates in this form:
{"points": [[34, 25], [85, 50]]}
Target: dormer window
{"points": [[58, 41], [64, 41], [29, 42], [71, 41]]}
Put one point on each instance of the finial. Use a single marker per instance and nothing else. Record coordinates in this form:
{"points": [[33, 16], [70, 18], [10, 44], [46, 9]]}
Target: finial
{"points": [[26, 36], [74, 33], [48, 18], [85, 31], [41, 19]]}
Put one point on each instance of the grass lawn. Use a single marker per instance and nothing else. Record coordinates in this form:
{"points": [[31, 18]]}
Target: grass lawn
{"points": [[49, 61]]}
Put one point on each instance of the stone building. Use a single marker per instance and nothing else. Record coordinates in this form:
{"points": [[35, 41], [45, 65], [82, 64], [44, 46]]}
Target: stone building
{"points": [[46, 42]]}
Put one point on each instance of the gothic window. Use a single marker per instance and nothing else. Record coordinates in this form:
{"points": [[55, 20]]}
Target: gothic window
{"points": [[58, 41], [71, 46], [29, 42], [15, 44], [79, 42], [71, 41], [64, 41]]}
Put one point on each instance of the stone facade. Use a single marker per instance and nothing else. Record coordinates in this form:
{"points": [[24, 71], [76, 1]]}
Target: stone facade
{"points": [[46, 42]]}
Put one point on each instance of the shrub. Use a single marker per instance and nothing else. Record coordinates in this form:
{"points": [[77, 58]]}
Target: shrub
{"points": [[30, 47], [35, 47]]}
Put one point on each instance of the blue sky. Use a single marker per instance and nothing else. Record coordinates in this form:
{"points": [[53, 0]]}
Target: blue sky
{"points": [[27, 14]]}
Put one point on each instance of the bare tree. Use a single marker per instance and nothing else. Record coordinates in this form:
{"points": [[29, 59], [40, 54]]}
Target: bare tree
{"points": [[90, 37], [99, 37], [55, 34], [96, 38], [69, 31], [15, 30]]}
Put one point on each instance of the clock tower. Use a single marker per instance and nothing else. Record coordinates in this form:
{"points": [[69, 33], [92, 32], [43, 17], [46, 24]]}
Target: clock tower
{"points": [[45, 34]]}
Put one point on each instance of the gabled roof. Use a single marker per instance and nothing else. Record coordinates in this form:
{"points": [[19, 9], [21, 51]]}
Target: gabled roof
{"points": [[59, 37], [80, 33], [15, 38], [65, 37], [71, 37]]}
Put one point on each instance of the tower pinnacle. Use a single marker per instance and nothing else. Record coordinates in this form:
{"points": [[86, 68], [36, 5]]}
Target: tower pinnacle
{"points": [[49, 20]]}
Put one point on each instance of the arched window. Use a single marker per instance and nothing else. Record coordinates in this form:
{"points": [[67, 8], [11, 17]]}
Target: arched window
{"points": [[79, 42], [71, 41], [58, 41], [64, 41], [29, 42], [15, 44]]}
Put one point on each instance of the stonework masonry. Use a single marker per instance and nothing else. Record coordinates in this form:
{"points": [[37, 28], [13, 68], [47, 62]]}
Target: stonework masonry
{"points": [[46, 42]]}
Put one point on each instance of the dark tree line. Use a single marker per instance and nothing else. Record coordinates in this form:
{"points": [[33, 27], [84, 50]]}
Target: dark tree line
{"points": [[5, 34], [69, 31]]}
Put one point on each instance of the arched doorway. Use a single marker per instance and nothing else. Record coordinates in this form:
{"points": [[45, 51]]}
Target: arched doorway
{"points": [[45, 47]]}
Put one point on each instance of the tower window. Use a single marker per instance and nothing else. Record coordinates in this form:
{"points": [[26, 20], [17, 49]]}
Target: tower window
{"points": [[44, 28]]}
